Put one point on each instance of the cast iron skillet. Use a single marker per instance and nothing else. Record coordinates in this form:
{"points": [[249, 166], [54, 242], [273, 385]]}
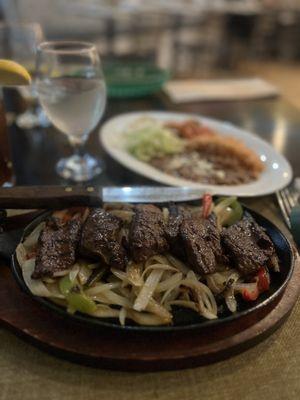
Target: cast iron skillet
{"points": [[184, 319]]}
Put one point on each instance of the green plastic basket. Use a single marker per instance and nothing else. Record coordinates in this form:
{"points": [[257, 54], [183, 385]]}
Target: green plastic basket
{"points": [[133, 79]]}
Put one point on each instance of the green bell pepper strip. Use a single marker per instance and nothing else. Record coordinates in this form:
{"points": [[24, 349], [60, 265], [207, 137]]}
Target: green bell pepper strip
{"points": [[65, 285], [76, 301], [81, 303], [228, 211]]}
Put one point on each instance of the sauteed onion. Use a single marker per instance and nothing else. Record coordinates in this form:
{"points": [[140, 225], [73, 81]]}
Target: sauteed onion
{"points": [[144, 292]]}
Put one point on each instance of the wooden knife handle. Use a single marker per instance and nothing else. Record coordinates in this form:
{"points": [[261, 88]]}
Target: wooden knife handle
{"points": [[53, 197]]}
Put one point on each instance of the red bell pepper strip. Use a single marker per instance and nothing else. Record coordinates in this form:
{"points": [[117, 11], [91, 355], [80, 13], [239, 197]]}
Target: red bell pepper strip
{"points": [[262, 280], [206, 205], [31, 255], [250, 295]]}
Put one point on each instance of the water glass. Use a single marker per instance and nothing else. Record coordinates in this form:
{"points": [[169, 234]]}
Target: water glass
{"points": [[72, 91]]}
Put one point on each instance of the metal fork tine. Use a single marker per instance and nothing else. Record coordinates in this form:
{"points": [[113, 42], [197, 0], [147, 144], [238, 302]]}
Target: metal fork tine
{"points": [[291, 197], [286, 201], [282, 205], [295, 195]]}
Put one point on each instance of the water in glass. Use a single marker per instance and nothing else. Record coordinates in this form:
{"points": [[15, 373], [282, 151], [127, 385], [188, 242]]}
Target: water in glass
{"points": [[72, 92]]}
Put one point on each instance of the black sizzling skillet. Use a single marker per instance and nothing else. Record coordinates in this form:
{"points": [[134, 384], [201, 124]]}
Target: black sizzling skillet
{"points": [[184, 319]]}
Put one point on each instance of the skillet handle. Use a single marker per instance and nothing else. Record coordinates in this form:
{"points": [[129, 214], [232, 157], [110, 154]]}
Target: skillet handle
{"points": [[51, 197], [8, 243]]}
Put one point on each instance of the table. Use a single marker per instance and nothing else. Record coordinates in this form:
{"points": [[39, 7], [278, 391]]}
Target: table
{"points": [[35, 152], [269, 371]]}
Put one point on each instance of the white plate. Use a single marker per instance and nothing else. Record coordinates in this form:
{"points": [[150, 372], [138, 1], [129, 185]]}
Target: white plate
{"points": [[277, 173]]}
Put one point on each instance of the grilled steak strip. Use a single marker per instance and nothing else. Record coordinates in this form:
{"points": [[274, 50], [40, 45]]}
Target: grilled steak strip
{"points": [[57, 247], [201, 243], [176, 216], [100, 238], [194, 239], [147, 233], [213, 236], [248, 246]]}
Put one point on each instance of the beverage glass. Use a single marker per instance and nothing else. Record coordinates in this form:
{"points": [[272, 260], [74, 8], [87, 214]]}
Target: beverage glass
{"points": [[19, 42], [72, 91], [7, 177]]}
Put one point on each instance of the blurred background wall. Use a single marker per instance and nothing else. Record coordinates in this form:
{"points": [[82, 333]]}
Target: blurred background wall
{"points": [[185, 36]]}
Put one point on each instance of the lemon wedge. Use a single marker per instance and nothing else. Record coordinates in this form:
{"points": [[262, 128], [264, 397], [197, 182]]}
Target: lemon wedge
{"points": [[13, 74]]}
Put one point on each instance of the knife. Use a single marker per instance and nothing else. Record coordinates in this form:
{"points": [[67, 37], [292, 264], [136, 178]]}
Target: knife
{"points": [[32, 197]]}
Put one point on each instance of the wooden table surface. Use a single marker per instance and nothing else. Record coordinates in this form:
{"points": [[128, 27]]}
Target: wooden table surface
{"points": [[269, 370]]}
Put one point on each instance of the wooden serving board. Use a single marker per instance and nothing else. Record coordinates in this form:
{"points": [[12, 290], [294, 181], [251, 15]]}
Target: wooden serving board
{"points": [[132, 351]]}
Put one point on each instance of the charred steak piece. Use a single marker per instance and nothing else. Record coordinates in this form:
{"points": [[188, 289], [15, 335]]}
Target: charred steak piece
{"points": [[147, 233], [194, 239], [249, 246], [57, 246], [213, 236], [176, 217], [201, 242], [100, 238]]}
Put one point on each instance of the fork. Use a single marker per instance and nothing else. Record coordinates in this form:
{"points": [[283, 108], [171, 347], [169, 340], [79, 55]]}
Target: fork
{"points": [[288, 198]]}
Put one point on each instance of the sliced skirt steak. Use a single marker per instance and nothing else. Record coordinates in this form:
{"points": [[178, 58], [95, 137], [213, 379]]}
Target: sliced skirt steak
{"points": [[100, 238], [57, 247]]}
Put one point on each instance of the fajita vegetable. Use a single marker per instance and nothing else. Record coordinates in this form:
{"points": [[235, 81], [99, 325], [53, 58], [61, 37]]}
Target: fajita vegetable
{"points": [[137, 263]]}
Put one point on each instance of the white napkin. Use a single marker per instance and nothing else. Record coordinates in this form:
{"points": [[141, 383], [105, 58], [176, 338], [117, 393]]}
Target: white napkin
{"points": [[183, 91]]}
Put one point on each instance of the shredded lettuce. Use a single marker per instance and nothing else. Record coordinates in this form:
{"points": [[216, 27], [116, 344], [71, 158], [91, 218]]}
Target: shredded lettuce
{"points": [[149, 140]]}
